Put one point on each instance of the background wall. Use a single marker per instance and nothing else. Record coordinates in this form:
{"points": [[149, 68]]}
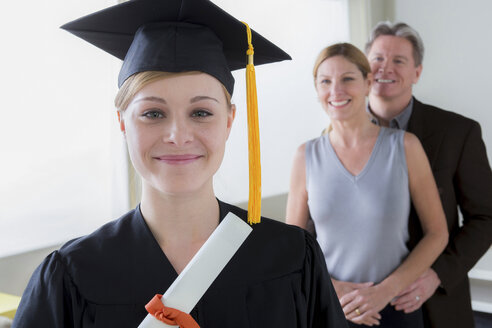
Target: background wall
{"points": [[61, 170]]}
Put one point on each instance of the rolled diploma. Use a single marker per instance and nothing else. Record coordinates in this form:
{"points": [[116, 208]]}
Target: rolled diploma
{"points": [[204, 267]]}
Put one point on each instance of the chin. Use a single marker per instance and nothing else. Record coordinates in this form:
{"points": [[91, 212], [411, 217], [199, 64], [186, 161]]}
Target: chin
{"points": [[383, 91], [177, 186]]}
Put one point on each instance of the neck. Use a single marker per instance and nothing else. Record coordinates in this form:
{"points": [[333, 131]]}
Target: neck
{"points": [[189, 218], [351, 133], [386, 109]]}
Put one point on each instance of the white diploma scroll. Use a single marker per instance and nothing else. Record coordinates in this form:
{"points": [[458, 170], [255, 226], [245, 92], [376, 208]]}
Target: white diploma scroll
{"points": [[204, 267]]}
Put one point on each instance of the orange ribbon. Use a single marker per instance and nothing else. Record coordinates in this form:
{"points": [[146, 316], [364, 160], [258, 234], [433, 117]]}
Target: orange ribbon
{"points": [[169, 315]]}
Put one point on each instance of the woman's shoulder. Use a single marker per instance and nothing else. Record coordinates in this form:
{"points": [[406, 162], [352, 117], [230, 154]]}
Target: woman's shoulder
{"points": [[108, 235], [316, 142], [106, 253], [394, 138]]}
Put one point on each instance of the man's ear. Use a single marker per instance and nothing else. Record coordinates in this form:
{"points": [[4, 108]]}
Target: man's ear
{"points": [[369, 81], [418, 72], [122, 123]]}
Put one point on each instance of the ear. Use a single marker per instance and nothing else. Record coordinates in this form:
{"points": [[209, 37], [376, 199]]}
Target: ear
{"points": [[369, 81], [122, 123], [418, 71], [230, 118]]}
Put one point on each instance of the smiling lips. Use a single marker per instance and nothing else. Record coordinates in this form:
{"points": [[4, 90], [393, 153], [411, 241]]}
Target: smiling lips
{"points": [[178, 159], [339, 103], [385, 81]]}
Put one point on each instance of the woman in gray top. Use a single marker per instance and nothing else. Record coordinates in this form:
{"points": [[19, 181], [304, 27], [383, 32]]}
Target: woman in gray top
{"points": [[356, 182]]}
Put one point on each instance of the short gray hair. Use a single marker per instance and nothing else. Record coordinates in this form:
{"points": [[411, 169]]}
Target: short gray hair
{"points": [[401, 30]]}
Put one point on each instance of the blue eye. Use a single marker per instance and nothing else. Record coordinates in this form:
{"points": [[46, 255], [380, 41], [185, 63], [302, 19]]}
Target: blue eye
{"points": [[325, 81], [347, 79]]}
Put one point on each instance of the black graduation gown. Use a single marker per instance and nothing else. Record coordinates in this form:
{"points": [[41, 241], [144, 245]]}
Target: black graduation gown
{"points": [[278, 278]]}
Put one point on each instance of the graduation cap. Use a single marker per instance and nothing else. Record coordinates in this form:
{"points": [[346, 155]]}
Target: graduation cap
{"points": [[181, 36]]}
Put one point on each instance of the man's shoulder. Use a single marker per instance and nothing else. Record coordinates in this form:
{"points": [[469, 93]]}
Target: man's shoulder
{"points": [[444, 118]]}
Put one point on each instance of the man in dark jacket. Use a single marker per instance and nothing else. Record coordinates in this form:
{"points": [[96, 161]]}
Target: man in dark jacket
{"points": [[457, 154]]}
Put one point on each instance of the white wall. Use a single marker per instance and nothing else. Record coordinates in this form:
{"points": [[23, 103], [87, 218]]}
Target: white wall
{"points": [[457, 64], [60, 173]]}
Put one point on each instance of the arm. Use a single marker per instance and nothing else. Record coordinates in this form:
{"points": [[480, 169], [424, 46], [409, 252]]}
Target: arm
{"points": [[49, 298], [426, 200], [473, 188], [425, 197], [297, 208]]}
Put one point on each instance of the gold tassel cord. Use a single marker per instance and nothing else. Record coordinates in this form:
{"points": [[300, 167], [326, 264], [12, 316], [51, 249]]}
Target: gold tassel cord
{"points": [[254, 203]]}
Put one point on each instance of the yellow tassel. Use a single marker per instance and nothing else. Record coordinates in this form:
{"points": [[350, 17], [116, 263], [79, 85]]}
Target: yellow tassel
{"points": [[254, 203]]}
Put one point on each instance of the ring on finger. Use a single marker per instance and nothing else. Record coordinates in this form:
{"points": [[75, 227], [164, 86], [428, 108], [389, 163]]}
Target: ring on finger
{"points": [[357, 311], [417, 298]]}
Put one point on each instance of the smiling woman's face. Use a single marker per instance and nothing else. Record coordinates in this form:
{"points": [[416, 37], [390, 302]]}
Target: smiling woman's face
{"points": [[176, 130], [341, 88]]}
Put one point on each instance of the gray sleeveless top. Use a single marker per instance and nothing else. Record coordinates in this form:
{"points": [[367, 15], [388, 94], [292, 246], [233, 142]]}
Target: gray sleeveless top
{"points": [[361, 221]]}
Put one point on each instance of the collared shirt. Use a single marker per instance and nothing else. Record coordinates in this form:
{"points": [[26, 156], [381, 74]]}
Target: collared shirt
{"points": [[400, 121]]}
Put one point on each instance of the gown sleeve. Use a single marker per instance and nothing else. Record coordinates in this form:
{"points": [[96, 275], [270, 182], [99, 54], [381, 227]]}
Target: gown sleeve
{"points": [[323, 307], [50, 299]]}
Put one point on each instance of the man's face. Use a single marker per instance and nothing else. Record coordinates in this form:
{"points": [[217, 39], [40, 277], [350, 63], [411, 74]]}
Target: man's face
{"points": [[393, 68]]}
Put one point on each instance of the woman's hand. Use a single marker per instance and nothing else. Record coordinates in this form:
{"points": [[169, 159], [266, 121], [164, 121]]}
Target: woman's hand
{"points": [[344, 287], [362, 306]]}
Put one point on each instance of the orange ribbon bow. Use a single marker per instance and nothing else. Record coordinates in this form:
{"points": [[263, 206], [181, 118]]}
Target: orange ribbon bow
{"points": [[169, 315]]}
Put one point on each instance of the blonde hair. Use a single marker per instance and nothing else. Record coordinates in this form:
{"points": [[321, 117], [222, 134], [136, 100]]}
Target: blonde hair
{"points": [[137, 81], [347, 51]]}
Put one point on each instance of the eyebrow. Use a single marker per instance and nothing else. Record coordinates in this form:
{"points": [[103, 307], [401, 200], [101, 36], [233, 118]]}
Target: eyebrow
{"points": [[401, 57], [396, 56], [151, 98], [198, 98], [345, 73], [163, 101]]}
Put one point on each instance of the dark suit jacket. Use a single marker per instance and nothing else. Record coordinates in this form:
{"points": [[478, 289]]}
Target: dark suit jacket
{"points": [[458, 158]]}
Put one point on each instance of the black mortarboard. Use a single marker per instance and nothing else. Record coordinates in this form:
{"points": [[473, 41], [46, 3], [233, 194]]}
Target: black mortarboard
{"points": [[174, 36]]}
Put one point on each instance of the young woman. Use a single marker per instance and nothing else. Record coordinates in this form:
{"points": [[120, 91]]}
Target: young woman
{"points": [[356, 182], [175, 113]]}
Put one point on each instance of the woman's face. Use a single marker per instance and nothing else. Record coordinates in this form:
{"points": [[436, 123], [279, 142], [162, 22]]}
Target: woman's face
{"points": [[176, 129], [341, 88]]}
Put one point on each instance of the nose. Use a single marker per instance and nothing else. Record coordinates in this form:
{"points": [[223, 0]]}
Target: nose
{"points": [[336, 87], [384, 66], [179, 132]]}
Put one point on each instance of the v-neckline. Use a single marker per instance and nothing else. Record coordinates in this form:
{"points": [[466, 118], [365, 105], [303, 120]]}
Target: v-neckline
{"points": [[345, 171]]}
